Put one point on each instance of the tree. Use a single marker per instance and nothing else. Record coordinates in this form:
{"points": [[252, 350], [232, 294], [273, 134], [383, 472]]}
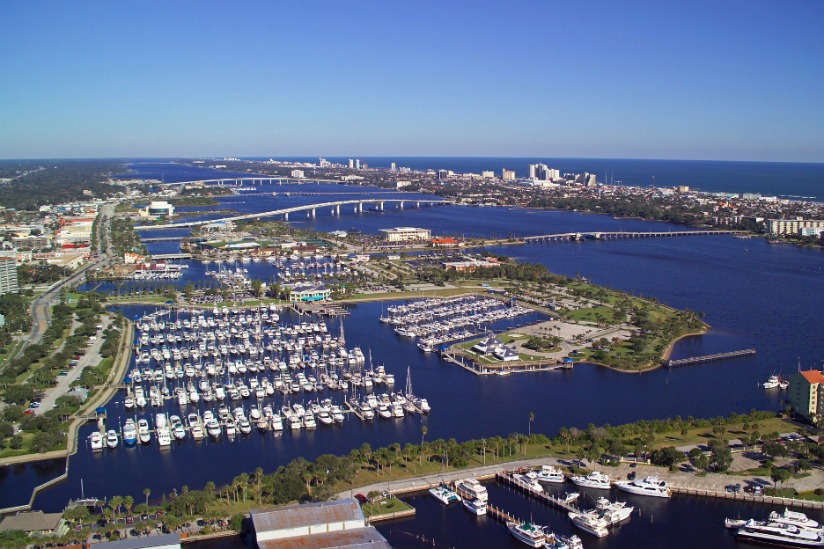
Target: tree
{"points": [[115, 504], [531, 419], [128, 502], [780, 475], [423, 436], [565, 435], [146, 493]]}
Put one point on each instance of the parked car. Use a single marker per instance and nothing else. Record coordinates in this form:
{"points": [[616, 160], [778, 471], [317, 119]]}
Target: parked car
{"points": [[361, 498]]}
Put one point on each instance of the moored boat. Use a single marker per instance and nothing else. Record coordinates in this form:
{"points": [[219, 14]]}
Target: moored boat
{"points": [[444, 494], [649, 486], [475, 506], [595, 479], [528, 533]]}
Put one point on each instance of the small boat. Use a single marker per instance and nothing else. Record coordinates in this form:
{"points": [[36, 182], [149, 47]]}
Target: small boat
{"points": [[96, 440], [129, 432], [143, 431], [528, 483], [734, 523], [112, 439], [444, 494], [772, 382]]}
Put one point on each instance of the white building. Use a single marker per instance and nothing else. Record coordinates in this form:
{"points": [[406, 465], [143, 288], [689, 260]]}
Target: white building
{"points": [[317, 525], [298, 174], [159, 208], [8, 275], [405, 234], [793, 226]]}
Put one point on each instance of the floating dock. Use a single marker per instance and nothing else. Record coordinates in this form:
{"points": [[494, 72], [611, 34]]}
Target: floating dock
{"points": [[708, 358], [506, 478]]}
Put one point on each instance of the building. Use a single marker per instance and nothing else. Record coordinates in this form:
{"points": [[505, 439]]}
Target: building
{"points": [[8, 275], [542, 172], [31, 242], [309, 292], [488, 174], [158, 209], [35, 523], [351, 163], [508, 175], [163, 541], [298, 174], [406, 234], [316, 525], [806, 394], [793, 226]]}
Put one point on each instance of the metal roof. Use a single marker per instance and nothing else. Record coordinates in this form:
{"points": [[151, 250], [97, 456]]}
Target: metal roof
{"points": [[367, 537], [143, 542], [307, 514]]}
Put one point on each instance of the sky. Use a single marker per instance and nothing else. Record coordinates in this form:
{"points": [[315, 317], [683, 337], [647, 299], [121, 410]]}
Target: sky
{"points": [[730, 80]]}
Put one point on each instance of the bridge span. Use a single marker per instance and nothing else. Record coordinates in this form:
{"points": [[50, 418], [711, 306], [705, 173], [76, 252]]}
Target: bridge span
{"points": [[310, 209], [614, 235], [261, 179]]}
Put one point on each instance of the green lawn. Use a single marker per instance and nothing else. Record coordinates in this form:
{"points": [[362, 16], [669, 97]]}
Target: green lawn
{"points": [[385, 507]]}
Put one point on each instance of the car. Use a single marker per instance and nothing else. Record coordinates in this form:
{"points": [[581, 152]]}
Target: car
{"points": [[361, 498], [129, 520], [34, 404], [29, 412], [63, 373]]}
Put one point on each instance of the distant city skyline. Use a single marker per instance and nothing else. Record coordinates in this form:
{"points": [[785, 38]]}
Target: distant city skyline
{"points": [[639, 79]]}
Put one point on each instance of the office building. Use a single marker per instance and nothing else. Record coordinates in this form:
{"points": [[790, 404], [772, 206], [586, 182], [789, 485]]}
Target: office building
{"points": [[406, 234]]}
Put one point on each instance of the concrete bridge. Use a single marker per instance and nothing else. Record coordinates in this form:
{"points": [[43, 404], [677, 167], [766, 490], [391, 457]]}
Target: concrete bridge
{"points": [[614, 235], [310, 209], [258, 180]]}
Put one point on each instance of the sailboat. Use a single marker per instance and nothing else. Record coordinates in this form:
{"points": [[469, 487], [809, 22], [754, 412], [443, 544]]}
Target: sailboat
{"points": [[420, 403]]}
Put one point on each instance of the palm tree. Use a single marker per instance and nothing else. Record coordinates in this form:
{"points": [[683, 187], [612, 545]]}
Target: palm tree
{"points": [[146, 493], [423, 436], [258, 478], [531, 419], [128, 501], [115, 504]]}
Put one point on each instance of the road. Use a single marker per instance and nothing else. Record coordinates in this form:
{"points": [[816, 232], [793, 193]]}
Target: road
{"points": [[40, 308]]}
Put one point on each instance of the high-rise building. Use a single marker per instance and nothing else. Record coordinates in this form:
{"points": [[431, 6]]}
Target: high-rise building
{"points": [[351, 163], [8, 275], [806, 394], [392, 167], [357, 163], [543, 172], [487, 174], [508, 175]]}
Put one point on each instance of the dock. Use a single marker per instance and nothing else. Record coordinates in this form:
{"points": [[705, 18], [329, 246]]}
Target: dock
{"points": [[499, 514], [709, 358], [506, 478]]}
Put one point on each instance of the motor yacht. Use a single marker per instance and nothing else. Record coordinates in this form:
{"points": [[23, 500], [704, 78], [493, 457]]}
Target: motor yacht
{"points": [[143, 431], [528, 533], [590, 523], [780, 533], [474, 506], [550, 473], [471, 488], [112, 439], [129, 432], [595, 479], [793, 517], [444, 494], [96, 440], [649, 486]]}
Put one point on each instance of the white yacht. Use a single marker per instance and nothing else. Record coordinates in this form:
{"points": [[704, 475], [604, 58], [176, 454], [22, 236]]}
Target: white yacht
{"points": [[277, 423], [595, 479], [613, 511], [550, 473], [96, 440], [213, 427], [526, 482], [474, 506], [780, 533], [164, 437], [772, 382], [528, 533], [649, 486], [792, 517], [112, 439], [590, 523], [143, 431], [129, 432], [472, 488], [444, 494]]}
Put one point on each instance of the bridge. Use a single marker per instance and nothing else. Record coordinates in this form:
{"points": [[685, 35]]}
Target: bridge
{"points": [[310, 209], [238, 181], [171, 256], [163, 239], [613, 235]]}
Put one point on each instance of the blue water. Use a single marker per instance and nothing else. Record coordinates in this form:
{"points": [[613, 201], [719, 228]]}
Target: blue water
{"points": [[766, 178], [753, 294]]}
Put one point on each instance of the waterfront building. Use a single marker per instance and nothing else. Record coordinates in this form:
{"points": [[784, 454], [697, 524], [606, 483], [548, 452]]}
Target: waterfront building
{"points": [[508, 175], [793, 226], [405, 234], [323, 524], [158, 209], [806, 394], [488, 174], [309, 292], [351, 163], [298, 174], [542, 172], [35, 523], [8, 275]]}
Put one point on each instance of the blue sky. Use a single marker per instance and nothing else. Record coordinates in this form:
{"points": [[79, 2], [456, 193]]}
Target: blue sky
{"points": [[731, 80]]}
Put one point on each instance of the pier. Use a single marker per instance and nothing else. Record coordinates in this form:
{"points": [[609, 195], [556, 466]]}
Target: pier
{"points": [[506, 478], [708, 358], [499, 514]]}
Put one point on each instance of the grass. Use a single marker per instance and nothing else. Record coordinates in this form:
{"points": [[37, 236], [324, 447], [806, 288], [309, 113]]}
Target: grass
{"points": [[385, 507], [812, 496]]}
